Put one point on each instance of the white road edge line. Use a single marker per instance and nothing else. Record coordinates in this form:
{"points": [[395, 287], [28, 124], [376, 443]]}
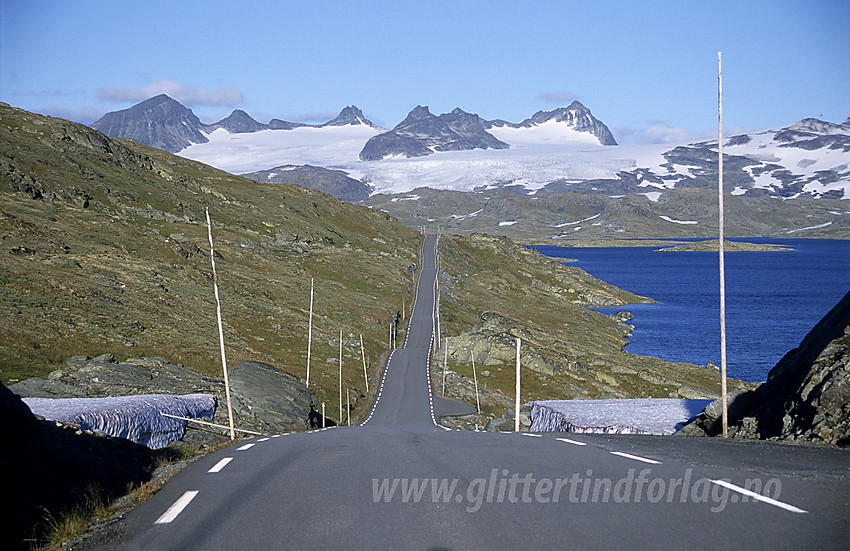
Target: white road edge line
{"points": [[177, 507], [220, 465], [637, 458], [245, 447], [759, 497], [574, 442], [534, 435]]}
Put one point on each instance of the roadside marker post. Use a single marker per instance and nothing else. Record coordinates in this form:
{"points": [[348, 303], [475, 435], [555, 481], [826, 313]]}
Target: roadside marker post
{"points": [[516, 404], [363, 355], [475, 378], [310, 333], [220, 328]]}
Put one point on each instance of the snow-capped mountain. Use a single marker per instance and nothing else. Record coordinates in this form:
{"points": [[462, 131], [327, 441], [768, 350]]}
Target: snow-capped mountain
{"points": [[421, 133], [164, 123], [552, 151], [574, 123], [807, 158]]}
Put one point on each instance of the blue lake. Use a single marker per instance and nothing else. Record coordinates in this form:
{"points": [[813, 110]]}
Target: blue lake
{"points": [[773, 299]]}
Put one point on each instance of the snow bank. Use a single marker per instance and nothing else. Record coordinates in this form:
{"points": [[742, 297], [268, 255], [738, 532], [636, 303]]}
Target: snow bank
{"points": [[135, 418], [661, 416]]}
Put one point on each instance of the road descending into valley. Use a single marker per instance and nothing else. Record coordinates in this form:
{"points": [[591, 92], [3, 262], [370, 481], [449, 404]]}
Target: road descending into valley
{"points": [[401, 481]]}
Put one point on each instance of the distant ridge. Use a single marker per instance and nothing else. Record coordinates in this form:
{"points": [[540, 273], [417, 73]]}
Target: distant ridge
{"points": [[164, 123]]}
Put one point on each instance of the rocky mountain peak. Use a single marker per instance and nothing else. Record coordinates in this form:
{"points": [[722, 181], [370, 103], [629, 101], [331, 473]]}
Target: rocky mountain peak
{"points": [[418, 113], [159, 121], [421, 133], [350, 115], [238, 122]]}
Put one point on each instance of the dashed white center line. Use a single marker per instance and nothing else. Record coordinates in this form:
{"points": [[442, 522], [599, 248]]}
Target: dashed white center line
{"points": [[245, 447], [262, 439], [220, 465], [759, 497], [637, 458], [573, 442], [177, 507]]}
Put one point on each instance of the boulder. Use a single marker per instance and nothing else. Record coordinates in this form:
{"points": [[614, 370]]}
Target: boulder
{"points": [[806, 396], [268, 399]]}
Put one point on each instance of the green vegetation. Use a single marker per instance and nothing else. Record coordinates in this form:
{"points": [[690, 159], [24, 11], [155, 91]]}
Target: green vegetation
{"points": [[103, 248]]}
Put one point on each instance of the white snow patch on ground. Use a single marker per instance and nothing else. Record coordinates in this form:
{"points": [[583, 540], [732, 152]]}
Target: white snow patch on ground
{"points": [[809, 228], [652, 195], [686, 222], [578, 221], [408, 198], [508, 223], [662, 416], [135, 418]]}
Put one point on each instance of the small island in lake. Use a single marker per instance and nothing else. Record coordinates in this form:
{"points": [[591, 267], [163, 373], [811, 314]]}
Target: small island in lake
{"points": [[733, 246]]}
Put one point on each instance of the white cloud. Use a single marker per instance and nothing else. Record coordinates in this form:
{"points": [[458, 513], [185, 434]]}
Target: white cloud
{"points": [[186, 94]]}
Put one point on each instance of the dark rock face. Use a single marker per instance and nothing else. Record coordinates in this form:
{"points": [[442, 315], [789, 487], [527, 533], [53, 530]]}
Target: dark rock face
{"points": [[422, 133], [237, 123], [270, 399], [349, 115], [264, 398], [806, 395], [159, 122], [332, 182]]}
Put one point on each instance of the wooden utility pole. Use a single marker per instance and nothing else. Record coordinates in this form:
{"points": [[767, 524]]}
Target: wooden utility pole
{"points": [[310, 333], [723, 393], [363, 355], [516, 403], [220, 329]]}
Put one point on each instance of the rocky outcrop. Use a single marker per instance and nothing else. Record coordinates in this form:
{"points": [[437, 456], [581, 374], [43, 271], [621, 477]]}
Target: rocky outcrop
{"points": [[806, 395], [333, 182], [423, 133], [264, 398]]}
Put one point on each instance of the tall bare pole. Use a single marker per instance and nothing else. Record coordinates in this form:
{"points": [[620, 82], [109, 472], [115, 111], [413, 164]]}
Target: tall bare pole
{"points": [[310, 333], [516, 404], [340, 375], [475, 378], [363, 355], [445, 362], [724, 399], [220, 329]]}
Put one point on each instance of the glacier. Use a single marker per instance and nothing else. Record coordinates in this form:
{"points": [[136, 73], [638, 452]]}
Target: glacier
{"points": [[136, 418], [661, 416]]}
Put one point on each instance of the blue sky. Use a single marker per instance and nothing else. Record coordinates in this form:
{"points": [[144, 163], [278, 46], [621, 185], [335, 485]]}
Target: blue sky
{"points": [[648, 69]]}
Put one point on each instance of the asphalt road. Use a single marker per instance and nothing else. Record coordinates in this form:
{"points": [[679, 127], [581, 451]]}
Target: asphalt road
{"points": [[400, 481]]}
